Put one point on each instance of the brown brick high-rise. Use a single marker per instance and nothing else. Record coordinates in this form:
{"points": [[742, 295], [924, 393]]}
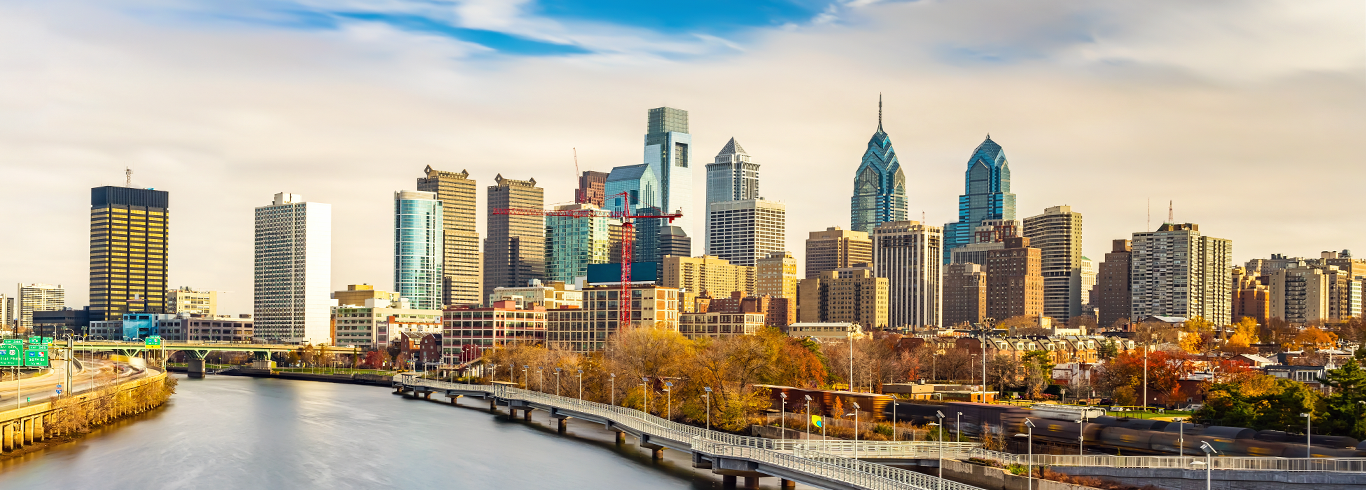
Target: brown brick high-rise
{"points": [[1015, 280], [461, 280], [514, 252]]}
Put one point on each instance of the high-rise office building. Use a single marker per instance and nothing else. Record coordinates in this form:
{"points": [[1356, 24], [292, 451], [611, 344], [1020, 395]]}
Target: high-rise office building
{"points": [[573, 242], [1015, 280], [461, 265], [673, 241], [836, 249], [667, 152], [592, 188], [1111, 294], [1057, 233], [185, 300], [1083, 282], [732, 176], [293, 273], [129, 231], [853, 295], [418, 248], [514, 252], [743, 232], [988, 236], [647, 230], [907, 254], [637, 181], [965, 293], [986, 195], [1176, 271], [38, 297], [879, 184], [776, 276]]}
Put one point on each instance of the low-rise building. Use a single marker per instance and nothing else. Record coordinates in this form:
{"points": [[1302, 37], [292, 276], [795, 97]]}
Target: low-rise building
{"points": [[556, 295], [218, 328], [826, 331], [467, 330], [375, 324], [589, 328], [778, 312], [716, 325]]}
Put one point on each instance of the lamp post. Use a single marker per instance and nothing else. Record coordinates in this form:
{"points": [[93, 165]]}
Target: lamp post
{"points": [[580, 385], [557, 381], [1308, 434], [958, 428], [1030, 469], [894, 432], [707, 395], [1209, 462], [669, 400], [526, 378], [851, 359], [940, 414], [614, 388], [540, 383], [782, 418], [808, 418], [645, 387], [855, 414], [1180, 437]]}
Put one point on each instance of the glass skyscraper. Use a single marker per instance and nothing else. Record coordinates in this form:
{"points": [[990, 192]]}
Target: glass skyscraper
{"points": [[986, 195], [639, 181], [667, 145], [879, 184], [573, 242], [418, 241]]}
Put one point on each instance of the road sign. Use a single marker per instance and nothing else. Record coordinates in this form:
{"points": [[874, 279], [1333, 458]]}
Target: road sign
{"points": [[11, 354], [35, 357], [35, 340], [153, 342], [46, 340]]}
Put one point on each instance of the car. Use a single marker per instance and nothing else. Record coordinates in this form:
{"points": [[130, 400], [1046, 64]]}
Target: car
{"points": [[1193, 407]]}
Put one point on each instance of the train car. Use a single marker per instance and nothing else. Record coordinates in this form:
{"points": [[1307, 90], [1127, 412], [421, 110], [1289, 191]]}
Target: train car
{"points": [[823, 402], [1127, 439]]}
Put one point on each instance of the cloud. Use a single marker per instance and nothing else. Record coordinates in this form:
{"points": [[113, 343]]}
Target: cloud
{"points": [[1246, 122]]}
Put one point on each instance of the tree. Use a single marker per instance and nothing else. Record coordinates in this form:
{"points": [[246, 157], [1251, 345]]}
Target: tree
{"points": [[1344, 412], [1107, 350], [1038, 371], [1315, 338], [1083, 321]]}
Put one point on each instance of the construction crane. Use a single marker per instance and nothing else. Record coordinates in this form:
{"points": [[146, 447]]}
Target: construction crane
{"points": [[627, 237]]}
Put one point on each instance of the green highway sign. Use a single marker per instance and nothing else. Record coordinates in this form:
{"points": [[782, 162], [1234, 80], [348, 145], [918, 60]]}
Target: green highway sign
{"points": [[10, 354], [35, 340], [153, 342], [35, 358], [47, 340]]}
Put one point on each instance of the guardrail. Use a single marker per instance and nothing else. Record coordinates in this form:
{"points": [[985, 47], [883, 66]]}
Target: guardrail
{"points": [[1342, 465], [792, 455]]}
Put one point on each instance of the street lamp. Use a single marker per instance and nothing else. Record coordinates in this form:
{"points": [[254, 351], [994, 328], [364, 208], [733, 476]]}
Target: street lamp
{"points": [[782, 418], [1209, 462], [1030, 469], [855, 414], [1308, 434], [540, 373], [940, 414], [557, 381], [669, 400], [1180, 437], [614, 388], [644, 387], [808, 418], [958, 428], [580, 385], [707, 395], [526, 378], [851, 362]]}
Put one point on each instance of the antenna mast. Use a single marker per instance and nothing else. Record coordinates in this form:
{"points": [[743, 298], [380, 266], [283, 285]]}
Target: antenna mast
{"points": [[127, 177], [576, 163], [1171, 216]]}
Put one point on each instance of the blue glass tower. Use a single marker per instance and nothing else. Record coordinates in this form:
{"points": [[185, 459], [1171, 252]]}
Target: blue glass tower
{"points": [[418, 238], [879, 184], [986, 195]]}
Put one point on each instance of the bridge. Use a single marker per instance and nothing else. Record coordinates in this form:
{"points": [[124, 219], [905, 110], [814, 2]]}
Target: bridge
{"points": [[838, 465], [198, 351]]}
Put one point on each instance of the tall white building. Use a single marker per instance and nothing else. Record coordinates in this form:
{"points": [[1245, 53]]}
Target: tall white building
{"points": [[909, 254], [1057, 234], [1176, 271], [732, 176], [1084, 280], [292, 295], [743, 232], [38, 297]]}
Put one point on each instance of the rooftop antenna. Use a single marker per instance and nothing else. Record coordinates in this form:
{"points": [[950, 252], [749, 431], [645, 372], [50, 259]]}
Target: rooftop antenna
{"points": [[576, 163], [127, 177], [879, 111], [1171, 216]]}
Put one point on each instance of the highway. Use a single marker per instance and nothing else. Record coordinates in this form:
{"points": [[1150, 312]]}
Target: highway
{"points": [[38, 389]]}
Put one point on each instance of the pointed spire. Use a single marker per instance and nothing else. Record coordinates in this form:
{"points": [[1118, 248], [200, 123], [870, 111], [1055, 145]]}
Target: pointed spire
{"points": [[879, 111]]}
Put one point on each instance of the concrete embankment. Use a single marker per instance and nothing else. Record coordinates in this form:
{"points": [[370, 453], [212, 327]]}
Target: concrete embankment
{"points": [[357, 379], [71, 416]]}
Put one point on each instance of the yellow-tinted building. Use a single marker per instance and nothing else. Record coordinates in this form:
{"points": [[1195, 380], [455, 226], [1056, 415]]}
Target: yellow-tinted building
{"points": [[776, 276], [128, 245], [710, 274]]}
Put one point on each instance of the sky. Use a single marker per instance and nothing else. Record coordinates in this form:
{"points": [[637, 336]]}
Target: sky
{"points": [[1244, 115]]}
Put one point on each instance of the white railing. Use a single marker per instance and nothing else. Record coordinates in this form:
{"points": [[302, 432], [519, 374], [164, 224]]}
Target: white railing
{"points": [[793, 455], [1352, 465]]}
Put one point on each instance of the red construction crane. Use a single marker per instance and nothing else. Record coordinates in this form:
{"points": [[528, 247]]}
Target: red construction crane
{"points": [[627, 238]]}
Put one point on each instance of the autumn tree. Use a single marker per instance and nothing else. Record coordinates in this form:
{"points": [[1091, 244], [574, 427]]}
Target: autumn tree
{"points": [[1316, 338], [1243, 336], [1038, 371]]}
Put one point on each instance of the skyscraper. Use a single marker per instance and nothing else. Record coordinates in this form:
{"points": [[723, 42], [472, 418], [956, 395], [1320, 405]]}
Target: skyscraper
{"points": [[743, 232], [965, 293], [667, 150], [571, 243], [461, 275], [128, 240], [1014, 280], [418, 248], [732, 176], [1176, 271], [293, 274], [879, 184], [836, 249], [637, 181], [907, 254], [514, 252], [1111, 294], [592, 188], [1057, 233], [38, 297], [986, 195]]}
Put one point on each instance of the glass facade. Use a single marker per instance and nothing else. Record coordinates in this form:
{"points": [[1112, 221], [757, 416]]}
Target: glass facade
{"points": [[986, 195], [571, 243], [638, 181], [667, 145], [418, 248], [879, 184]]}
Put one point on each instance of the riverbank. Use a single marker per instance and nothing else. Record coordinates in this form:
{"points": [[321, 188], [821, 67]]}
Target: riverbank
{"points": [[39, 426]]}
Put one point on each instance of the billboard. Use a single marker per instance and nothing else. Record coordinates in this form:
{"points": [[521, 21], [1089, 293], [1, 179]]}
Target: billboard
{"points": [[640, 272]]}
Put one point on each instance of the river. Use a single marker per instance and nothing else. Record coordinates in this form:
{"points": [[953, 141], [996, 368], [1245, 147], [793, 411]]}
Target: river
{"points": [[226, 432]]}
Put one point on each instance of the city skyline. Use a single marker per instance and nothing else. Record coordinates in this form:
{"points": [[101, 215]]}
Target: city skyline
{"points": [[1137, 117]]}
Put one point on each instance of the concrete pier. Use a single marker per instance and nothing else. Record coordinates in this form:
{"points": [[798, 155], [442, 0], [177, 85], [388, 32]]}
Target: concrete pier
{"points": [[787, 484], [195, 367], [727, 481], [621, 438], [563, 424]]}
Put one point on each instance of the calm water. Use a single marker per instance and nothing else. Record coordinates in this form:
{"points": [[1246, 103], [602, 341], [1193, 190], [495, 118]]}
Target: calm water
{"points": [[230, 432]]}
